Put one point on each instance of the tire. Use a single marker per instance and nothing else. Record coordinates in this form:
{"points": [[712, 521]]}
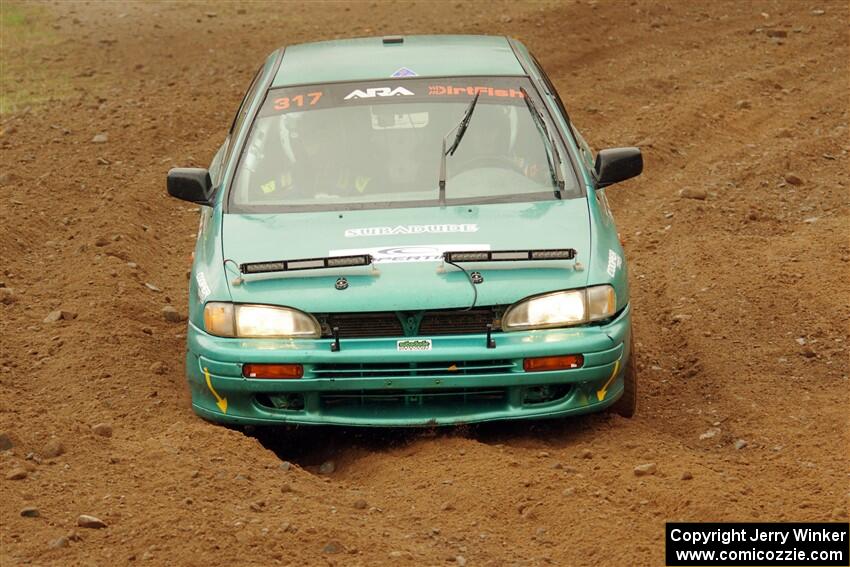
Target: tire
{"points": [[627, 404]]}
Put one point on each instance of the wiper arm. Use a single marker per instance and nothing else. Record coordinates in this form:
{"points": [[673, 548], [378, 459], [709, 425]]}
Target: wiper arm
{"points": [[461, 130], [554, 168]]}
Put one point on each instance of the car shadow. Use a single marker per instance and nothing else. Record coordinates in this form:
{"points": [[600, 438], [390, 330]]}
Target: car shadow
{"points": [[310, 446]]}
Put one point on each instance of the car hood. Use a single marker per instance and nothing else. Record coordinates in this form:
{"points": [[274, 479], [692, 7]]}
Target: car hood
{"points": [[406, 243]]}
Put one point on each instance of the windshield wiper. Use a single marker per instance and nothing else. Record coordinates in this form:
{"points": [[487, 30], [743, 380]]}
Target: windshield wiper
{"points": [[554, 168], [461, 130]]}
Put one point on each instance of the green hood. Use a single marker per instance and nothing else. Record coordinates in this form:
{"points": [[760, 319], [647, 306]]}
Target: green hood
{"points": [[400, 234]]}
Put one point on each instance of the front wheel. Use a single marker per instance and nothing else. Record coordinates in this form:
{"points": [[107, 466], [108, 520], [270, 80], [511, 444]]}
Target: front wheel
{"points": [[627, 404]]}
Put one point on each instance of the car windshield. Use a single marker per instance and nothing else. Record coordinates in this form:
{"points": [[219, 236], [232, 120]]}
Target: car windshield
{"points": [[377, 144]]}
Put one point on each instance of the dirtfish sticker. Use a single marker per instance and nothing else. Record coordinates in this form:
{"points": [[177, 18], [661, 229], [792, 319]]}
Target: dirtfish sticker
{"points": [[203, 286], [410, 229], [414, 344], [614, 262], [396, 254]]}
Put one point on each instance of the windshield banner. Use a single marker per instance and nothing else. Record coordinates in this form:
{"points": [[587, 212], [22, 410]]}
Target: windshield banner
{"points": [[504, 90]]}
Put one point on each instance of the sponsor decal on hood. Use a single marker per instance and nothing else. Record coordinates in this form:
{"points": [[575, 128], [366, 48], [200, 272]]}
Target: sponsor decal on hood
{"points": [[410, 229], [414, 253]]}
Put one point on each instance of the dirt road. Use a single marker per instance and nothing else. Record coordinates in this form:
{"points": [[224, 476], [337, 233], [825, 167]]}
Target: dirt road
{"points": [[740, 294]]}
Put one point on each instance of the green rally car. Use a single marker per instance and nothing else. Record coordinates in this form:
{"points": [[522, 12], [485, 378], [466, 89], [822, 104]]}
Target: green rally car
{"points": [[406, 231]]}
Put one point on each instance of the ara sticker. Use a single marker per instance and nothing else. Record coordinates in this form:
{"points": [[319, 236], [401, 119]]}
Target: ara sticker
{"points": [[413, 344], [373, 92], [396, 254], [404, 72], [410, 229], [203, 286], [614, 262]]}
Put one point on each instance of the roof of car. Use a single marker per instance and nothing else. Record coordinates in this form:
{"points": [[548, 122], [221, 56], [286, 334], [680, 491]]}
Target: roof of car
{"points": [[381, 57]]}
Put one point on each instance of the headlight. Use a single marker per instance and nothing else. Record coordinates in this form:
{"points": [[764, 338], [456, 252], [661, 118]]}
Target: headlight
{"points": [[229, 320], [561, 309]]}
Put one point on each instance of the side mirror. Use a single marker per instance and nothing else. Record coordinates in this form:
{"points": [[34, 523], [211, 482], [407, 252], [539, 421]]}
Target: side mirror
{"points": [[617, 164], [191, 184]]}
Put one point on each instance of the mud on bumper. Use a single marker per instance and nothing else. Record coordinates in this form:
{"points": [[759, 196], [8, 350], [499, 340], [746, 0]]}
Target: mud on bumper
{"points": [[370, 383]]}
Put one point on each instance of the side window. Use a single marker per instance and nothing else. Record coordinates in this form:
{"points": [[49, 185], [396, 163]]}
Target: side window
{"points": [[217, 162], [223, 155]]}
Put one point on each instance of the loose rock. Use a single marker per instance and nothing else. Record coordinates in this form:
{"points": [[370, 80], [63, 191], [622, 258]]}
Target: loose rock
{"points": [[646, 469], [53, 449], [85, 521], [5, 442], [30, 512], [740, 444], [59, 542], [693, 193], [100, 138], [792, 179], [102, 429], [171, 315], [709, 434], [586, 454], [332, 547], [159, 367], [328, 467], [360, 504], [17, 473], [58, 314], [7, 296], [687, 475]]}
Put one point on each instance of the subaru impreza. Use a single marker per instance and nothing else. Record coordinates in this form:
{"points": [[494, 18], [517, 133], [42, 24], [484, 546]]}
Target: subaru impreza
{"points": [[406, 231]]}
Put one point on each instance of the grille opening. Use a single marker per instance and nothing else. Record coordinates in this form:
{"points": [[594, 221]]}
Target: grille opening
{"points": [[432, 323], [460, 322], [377, 399], [294, 402], [362, 325], [532, 395], [395, 369]]}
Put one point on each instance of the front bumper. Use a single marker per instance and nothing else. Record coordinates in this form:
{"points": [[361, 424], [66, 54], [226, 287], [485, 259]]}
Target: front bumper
{"points": [[370, 383]]}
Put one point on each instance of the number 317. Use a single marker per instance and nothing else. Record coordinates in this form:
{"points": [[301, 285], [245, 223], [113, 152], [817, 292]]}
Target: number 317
{"points": [[286, 102]]}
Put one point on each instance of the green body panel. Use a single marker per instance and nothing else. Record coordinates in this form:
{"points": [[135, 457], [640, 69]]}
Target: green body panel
{"points": [[604, 349], [410, 285], [226, 240], [370, 58]]}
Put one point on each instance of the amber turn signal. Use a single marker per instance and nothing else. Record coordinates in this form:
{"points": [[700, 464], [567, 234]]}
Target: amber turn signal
{"points": [[542, 363], [273, 371]]}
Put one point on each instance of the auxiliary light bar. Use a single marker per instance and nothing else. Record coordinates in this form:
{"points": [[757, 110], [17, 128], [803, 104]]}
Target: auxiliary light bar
{"points": [[509, 255], [306, 264]]}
